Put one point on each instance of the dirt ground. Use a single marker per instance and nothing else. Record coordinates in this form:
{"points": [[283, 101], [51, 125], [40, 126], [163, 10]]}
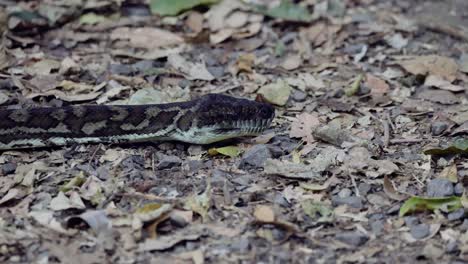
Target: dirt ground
{"points": [[364, 162]]}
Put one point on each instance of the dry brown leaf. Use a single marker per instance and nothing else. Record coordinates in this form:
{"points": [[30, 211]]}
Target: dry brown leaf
{"points": [[439, 82], [245, 62], [195, 22], [431, 64], [303, 126], [439, 96], [264, 213], [378, 86], [191, 70], [390, 190], [450, 173], [146, 37]]}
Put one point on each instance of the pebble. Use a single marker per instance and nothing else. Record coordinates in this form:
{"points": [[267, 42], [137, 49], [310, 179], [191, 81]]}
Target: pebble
{"points": [[167, 162], [353, 238], [411, 221], [456, 215], [420, 231], [438, 127], [451, 247], [255, 157], [440, 188], [364, 188], [352, 201], [345, 192], [459, 189], [299, 96], [8, 168], [280, 200], [377, 227]]}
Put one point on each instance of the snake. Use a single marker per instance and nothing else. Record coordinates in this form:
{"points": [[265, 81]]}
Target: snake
{"points": [[205, 120]]}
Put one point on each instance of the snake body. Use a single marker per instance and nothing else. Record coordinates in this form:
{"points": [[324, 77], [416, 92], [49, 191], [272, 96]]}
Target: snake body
{"points": [[208, 119]]}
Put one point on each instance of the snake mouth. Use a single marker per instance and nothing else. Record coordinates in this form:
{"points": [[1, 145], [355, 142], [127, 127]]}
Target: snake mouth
{"points": [[245, 127]]}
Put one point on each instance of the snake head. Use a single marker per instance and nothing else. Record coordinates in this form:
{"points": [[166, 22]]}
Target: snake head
{"points": [[218, 117]]}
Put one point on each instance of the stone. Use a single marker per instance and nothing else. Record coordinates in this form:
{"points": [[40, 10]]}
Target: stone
{"points": [[8, 168], [255, 157], [364, 188], [345, 192], [351, 201], [440, 188], [353, 238], [167, 162], [420, 231], [451, 247], [299, 96], [438, 127], [459, 189], [377, 227], [456, 215], [411, 221]]}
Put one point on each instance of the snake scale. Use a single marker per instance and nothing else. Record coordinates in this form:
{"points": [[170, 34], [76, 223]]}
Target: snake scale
{"points": [[208, 119]]}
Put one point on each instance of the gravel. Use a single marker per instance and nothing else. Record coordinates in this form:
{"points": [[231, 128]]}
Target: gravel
{"points": [[420, 231], [440, 188], [352, 201], [255, 157], [167, 162], [354, 238]]}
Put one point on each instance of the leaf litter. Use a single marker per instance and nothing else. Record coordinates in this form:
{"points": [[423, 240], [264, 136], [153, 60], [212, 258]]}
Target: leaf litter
{"points": [[370, 109]]}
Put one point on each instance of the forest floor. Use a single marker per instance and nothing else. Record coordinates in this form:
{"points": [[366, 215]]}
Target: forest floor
{"points": [[363, 162]]}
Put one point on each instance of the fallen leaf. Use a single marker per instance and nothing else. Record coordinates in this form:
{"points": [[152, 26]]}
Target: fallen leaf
{"points": [[390, 190], [191, 70], [354, 87], [459, 146], [167, 242], [439, 96], [292, 62], [92, 19], [144, 37], [264, 214], [287, 10], [200, 203], [319, 212], [61, 202], [97, 220], [303, 126], [172, 8], [290, 169], [450, 173], [42, 67], [439, 82], [378, 86], [276, 93], [446, 204], [245, 62], [443, 67], [230, 151]]}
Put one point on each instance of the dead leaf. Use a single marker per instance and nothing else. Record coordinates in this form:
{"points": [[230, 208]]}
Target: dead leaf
{"points": [[391, 192], [264, 214], [145, 37], [439, 82], [276, 93], [303, 126], [440, 66], [191, 70], [450, 173], [439, 96]]}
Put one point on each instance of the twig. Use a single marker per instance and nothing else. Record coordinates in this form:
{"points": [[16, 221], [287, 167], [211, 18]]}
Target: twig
{"points": [[386, 135], [353, 180]]}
